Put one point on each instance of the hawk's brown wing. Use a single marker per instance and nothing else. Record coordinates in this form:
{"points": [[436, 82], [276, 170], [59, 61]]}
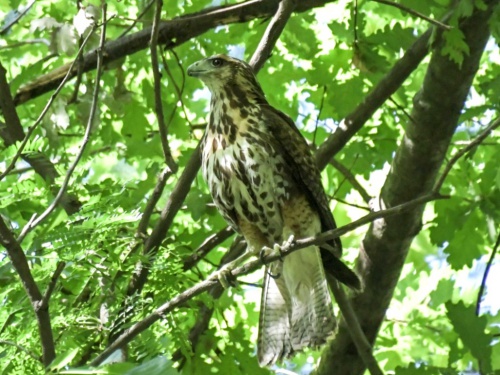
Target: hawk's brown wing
{"points": [[305, 173]]}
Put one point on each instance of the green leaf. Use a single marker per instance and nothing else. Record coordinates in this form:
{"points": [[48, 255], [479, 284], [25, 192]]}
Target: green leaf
{"points": [[471, 330]]}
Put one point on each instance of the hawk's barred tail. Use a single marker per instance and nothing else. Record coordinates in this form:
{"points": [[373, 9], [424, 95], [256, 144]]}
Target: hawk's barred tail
{"points": [[296, 308]]}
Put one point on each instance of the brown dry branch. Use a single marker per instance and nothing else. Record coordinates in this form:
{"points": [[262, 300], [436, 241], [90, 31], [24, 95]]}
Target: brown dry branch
{"points": [[272, 33]]}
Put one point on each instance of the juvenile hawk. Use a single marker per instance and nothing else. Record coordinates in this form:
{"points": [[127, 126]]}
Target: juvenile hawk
{"points": [[264, 181]]}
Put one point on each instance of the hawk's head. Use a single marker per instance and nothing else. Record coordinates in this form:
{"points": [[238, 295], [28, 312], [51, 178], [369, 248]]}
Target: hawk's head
{"points": [[220, 72]]}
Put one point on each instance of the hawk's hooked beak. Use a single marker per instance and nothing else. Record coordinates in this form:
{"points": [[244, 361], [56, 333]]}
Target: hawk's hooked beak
{"points": [[195, 70]]}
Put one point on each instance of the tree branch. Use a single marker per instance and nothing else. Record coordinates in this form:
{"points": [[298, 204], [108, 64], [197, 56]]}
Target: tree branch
{"points": [[20, 264], [358, 336], [171, 33], [485, 275], [7, 106], [30, 353], [157, 89], [44, 303], [20, 15], [272, 33], [208, 245], [380, 93], [153, 199], [478, 140], [352, 179]]}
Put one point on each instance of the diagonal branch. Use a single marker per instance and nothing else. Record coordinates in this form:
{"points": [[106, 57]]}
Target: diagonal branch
{"points": [[273, 31], [374, 100], [20, 264], [485, 275], [13, 123]]}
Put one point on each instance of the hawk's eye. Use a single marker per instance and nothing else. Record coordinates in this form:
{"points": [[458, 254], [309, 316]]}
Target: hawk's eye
{"points": [[217, 62]]}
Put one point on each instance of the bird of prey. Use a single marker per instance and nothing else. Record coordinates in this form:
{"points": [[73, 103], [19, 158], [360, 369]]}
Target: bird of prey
{"points": [[264, 181]]}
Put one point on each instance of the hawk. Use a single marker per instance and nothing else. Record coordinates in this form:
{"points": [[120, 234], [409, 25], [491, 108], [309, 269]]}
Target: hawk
{"points": [[265, 183]]}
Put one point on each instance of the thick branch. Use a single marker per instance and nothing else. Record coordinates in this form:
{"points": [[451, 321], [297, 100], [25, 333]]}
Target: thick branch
{"points": [[414, 170], [272, 33]]}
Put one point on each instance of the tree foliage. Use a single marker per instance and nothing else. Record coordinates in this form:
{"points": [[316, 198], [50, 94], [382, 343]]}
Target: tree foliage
{"points": [[104, 227]]}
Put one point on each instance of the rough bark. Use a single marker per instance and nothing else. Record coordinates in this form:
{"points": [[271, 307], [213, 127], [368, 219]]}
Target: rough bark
{"points": [[436, 110]]}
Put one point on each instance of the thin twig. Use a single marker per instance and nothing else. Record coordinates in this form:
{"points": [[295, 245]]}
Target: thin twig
{"points": [[352, 179], [481, 137], [30, 353], [179, 90], [151, 204], [44, 303], [485, 275], [402, 109], [415, 13], [272, 33], [343, 201], [32, 128], [95, 98], [26, 42], [144, 11], [358, 336], [319, 115], [208, 245], [157, 89], [20, 15]]}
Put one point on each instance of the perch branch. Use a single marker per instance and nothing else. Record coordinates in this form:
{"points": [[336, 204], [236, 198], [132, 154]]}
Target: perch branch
{"points": [[249, 267]]}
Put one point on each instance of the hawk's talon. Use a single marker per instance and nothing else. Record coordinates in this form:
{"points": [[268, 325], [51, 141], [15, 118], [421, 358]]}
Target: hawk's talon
{"points": [[277, 276], [226, 279]]}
